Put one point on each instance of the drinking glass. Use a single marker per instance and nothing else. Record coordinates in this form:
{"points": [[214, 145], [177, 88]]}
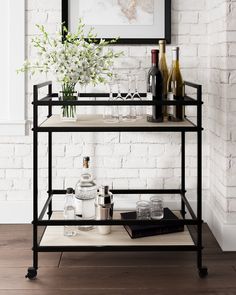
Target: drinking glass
{"points": [[129, 114], [120, 109], [111, 114], [140, 110], [157, 211], [143, 210]]}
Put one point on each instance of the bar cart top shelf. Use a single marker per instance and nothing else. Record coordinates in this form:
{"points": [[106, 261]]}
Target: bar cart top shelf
{"points": [[95, 122]]}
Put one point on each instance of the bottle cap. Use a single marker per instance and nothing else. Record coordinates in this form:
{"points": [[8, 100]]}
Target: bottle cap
{"points": [[175, 51], [104, 197], [86, 162], [105, 201], [69, 190], [176, 48], [162, 45], [104, 190], [87, 159]]}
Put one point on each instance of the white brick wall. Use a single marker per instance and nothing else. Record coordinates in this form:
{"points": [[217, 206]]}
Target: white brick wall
{"points": [[136, 159], [221, 119], [122, 160]]}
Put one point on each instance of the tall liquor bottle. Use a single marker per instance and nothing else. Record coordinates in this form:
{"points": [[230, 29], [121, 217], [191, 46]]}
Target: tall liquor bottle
{"points": [[164, 71], [86, 192], [175, 88], [155, 86]]}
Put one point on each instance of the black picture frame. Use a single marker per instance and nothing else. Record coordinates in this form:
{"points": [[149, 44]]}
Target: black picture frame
{"points": [[144, 41]]}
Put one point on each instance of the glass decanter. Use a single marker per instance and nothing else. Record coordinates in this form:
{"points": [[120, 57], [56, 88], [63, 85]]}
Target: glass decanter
{"points": [[85, 192]]}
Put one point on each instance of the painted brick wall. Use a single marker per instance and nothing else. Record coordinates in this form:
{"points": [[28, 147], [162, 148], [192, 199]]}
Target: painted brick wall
{"points": [[221, 120], [140, 160], [120, 160]]}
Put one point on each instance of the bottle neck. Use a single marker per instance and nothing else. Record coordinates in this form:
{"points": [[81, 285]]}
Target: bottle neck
{"points": [[85, 170], [69, 199], [155, 58], [175, 55], [162, 46], [86, 177], [175, 59]]}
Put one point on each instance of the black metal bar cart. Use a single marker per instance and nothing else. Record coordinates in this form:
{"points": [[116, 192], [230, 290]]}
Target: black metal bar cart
{"points": [[42, 225]]}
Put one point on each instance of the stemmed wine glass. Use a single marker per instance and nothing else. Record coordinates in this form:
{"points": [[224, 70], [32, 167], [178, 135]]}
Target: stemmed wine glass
{"points": [[129, 114], [136, 96], [111, 114], [120, 109]]}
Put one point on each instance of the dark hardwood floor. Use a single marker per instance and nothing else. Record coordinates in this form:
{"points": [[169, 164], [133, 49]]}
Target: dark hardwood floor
{"points": [[112, 273]]}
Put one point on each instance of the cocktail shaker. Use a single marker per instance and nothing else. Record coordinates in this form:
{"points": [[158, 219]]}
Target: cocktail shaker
{"points": [[104, 209]]}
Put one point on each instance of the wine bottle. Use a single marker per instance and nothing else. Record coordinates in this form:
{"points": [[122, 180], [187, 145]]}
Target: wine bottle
{"points": [[175, 88], [155, 86], [164, 71]]}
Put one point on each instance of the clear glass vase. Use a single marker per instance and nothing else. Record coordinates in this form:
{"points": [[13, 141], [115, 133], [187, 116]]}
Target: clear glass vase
{"points": [[68, 112]]}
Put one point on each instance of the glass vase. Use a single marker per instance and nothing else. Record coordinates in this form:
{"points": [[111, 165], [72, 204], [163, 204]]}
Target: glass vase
{"points": [[68, 112]]}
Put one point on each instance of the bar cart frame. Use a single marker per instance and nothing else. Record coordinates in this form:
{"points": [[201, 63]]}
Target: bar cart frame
{"points": [[38, 217]]}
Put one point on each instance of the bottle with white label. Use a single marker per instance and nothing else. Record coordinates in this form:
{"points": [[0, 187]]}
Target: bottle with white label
{"points": [[85, 192], [175, 88]]}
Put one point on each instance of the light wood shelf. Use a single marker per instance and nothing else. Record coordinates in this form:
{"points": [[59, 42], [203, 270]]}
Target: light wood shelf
{"points": [[53, 236]]}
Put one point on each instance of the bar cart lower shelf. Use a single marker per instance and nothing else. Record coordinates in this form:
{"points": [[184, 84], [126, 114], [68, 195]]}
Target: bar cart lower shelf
{"points": [[53, 236], [52, 239]]}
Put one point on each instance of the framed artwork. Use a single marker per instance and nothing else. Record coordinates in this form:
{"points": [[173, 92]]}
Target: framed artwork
{"points": [[133, 21]]}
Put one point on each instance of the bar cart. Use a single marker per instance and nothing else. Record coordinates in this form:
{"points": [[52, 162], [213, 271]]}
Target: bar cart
{"points": [[51, 239]]}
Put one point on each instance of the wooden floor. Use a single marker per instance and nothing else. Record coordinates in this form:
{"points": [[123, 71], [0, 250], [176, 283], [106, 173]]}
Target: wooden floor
{"points": [[112, 273]]}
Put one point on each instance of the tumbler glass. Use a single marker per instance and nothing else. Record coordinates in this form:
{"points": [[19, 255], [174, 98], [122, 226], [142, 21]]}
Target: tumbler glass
{"points": [[143, 210], [157, 211]]}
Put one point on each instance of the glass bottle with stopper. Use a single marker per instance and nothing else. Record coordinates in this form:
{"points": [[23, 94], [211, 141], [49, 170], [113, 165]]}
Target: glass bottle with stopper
{"points": [[85, 192]]}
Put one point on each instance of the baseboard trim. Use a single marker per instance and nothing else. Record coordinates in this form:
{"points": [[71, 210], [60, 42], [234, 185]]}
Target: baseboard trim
{"points": [[224, 233]]}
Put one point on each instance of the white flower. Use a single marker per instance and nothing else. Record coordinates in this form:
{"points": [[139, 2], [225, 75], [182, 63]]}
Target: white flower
{"points": [[74, 60]]}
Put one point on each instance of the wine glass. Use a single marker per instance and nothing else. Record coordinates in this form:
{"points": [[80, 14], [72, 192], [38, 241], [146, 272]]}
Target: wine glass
{"points": [[120, 109], [136, 96], [129, 111], [111, 114]]}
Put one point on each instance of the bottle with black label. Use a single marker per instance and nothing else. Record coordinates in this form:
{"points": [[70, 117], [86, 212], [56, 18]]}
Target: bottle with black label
{"points": [[155, 87], [175, 88]]}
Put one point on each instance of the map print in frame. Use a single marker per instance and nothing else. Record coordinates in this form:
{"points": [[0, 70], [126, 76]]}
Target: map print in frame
{"points": [[133, 21]]}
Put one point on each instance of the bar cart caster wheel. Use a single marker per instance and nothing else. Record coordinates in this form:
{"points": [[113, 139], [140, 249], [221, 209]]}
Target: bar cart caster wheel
{"points": [[203, 272], [32, 273]]}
